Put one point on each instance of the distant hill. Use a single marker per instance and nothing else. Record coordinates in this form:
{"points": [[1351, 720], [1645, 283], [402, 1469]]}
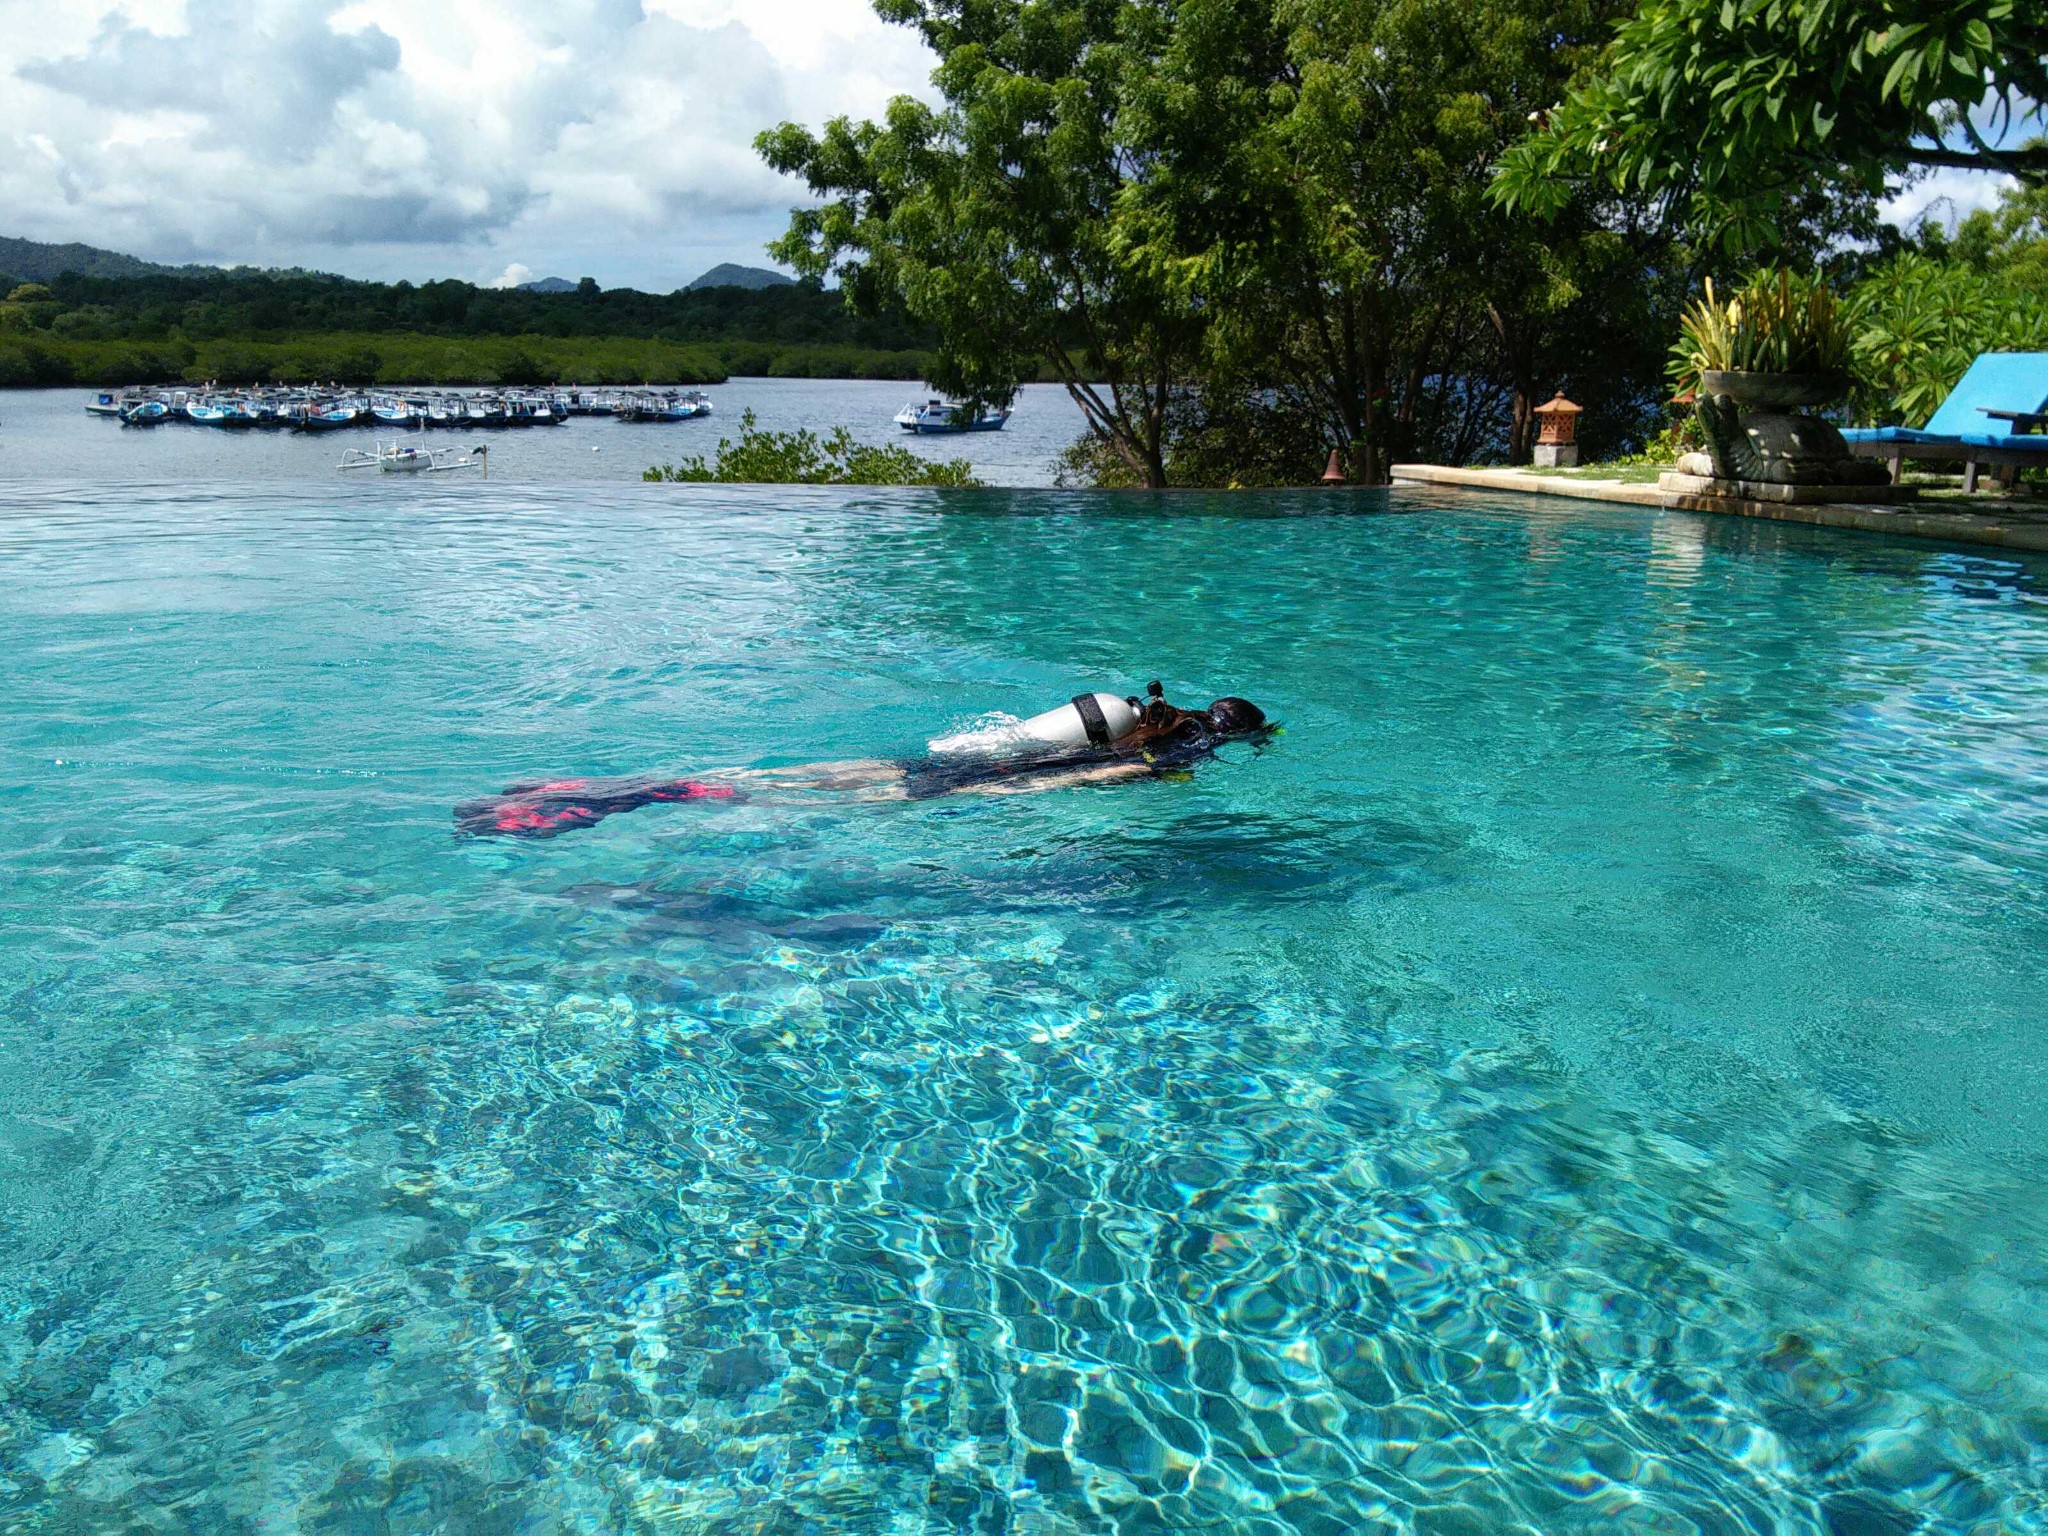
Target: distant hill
{"points": [[728, 275], [548, 285], [34, 262]]}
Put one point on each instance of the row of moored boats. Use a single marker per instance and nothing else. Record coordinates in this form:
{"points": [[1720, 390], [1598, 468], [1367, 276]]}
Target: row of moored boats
{"points": [[302, 409], [315, 410]]}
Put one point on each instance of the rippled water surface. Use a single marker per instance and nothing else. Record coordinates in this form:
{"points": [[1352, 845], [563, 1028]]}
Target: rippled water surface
{"points": [[1586, 1074]]}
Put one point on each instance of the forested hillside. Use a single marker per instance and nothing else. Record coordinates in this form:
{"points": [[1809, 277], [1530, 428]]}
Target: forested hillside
{"points": [[244, 326], [38, 262]]}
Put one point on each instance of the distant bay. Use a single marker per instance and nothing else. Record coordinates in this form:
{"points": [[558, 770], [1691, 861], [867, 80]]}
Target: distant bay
{"points": [[45, 434]]}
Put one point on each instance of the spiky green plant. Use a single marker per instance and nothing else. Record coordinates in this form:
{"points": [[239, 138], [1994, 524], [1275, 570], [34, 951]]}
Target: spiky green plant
{"points": [[1780, 322]]}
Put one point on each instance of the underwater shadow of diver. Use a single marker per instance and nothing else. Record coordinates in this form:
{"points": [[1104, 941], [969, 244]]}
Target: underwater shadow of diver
{"points": [[730, 920], [835, 907], [1262, 858]]}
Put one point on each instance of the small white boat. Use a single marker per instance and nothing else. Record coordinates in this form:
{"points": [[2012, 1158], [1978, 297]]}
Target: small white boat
{"points": [[950, 416], [409, 459]]}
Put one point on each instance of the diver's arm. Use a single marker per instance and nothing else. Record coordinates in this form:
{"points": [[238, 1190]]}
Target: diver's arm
{"points": [[1031, 783]]}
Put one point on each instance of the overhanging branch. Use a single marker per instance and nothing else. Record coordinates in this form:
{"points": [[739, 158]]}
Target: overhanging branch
{"points": [[2029, 164]]}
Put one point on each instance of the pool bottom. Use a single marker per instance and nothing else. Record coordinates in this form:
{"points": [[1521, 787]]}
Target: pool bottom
{"points": [[921, 1236]]}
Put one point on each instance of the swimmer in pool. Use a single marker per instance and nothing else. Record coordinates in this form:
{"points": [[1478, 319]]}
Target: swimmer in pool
{"points": [[1096, 738]]}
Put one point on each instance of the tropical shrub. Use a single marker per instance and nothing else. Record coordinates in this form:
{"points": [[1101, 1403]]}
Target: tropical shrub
{"points": [[1680, 435], [1780, 322], [1917, 324], [803, 458]]}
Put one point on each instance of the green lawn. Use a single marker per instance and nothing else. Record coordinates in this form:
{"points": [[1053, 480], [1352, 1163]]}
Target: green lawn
{"points": [[1627, 474]]}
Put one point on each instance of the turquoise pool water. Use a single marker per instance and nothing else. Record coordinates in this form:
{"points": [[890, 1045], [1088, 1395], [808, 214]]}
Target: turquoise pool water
{"points": [[1587, 1074]]}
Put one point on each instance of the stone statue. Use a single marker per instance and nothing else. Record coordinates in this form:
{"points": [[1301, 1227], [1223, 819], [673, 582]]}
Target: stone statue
{"points": [[1779, 447]]}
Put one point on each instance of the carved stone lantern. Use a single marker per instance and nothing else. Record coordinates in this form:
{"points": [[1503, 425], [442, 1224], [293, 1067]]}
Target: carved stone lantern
{"points": [[1557, 433]]}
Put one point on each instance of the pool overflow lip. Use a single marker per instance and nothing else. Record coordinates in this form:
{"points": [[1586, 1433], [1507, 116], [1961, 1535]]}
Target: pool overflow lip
{"points": [[1818, 506]]}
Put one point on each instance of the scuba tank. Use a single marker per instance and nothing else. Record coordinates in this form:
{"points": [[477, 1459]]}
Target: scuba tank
{"points": [[1086, 720]]}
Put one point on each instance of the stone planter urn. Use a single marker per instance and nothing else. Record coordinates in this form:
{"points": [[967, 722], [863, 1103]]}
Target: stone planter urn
{"points": [[1757, 431]]}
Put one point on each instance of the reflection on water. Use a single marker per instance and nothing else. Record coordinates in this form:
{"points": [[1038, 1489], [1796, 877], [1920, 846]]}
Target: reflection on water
{"points": [[1583, 1075]]}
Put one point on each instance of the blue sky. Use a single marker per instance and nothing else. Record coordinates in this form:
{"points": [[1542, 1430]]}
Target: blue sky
{"points": [[487, 139]]}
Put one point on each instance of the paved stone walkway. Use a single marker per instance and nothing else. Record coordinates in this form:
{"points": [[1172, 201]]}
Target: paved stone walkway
{"points": [[2010, 528]]}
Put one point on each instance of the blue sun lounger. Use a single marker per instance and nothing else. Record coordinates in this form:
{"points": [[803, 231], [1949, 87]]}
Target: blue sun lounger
{"points": [[2001, 389]]}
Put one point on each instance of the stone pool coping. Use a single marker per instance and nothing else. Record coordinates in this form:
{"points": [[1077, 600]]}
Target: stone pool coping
{"points": [[2010, 529]]}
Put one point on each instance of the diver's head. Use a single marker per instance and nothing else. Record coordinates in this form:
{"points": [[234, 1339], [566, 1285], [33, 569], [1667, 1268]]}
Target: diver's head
{"points": [[1236, 717]]}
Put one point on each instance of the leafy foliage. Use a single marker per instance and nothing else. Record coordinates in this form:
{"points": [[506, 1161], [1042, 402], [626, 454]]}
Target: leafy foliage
{"points": [[1909, 325], [1351, 262], [1918, 325], [1729, 106], [1780, 322], [1679, 435], [803, 458]]}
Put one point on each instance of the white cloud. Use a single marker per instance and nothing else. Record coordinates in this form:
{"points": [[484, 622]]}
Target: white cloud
{"points": [[389, 138], [512, 276], [1946, 197]]}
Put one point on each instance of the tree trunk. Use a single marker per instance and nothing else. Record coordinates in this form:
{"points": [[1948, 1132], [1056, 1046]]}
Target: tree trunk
{"points": [[1369, 457], [1522, 423], [1136, 437], [1401, 421], [1155, 437], [1518, 348]]}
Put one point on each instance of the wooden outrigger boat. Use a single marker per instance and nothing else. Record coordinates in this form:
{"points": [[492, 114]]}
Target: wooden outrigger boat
{"points": [[408, 459]]}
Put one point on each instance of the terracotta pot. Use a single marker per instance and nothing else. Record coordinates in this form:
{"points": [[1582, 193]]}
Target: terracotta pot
{"points": [[1774, 391]]}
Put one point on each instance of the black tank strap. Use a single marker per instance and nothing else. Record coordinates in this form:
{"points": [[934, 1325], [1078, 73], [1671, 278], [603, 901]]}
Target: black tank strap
{"points": [[1092, 718]]}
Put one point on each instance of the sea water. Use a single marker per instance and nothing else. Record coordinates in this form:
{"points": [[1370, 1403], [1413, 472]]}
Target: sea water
{"points": [[1585, 1074], [48, 433]]}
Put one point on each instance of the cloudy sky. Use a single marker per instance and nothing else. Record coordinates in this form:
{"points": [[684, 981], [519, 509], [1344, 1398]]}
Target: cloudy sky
{"points": [[488, 139], [426, 138]]}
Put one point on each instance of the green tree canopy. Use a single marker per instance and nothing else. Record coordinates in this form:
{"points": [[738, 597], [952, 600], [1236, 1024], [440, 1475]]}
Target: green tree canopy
{"points": [[1285, 200], [2009, 241], [1727, 106], [1001, 218], [1383, 273]]}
